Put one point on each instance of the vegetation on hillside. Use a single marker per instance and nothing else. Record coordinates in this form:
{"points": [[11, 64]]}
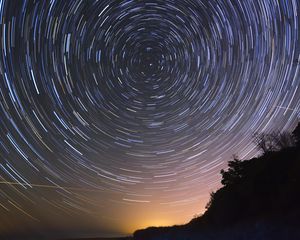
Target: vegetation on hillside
{"points": [[259, 199]]}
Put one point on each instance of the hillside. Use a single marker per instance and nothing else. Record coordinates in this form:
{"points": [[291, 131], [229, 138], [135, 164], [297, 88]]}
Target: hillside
{"points": [[259, 199]]}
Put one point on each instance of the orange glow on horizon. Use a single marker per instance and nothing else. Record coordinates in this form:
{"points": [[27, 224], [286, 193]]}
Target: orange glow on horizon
{"points": [[143, 217]]}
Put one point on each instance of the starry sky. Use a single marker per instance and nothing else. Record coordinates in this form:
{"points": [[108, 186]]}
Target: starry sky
{"points": [[119, 114]]}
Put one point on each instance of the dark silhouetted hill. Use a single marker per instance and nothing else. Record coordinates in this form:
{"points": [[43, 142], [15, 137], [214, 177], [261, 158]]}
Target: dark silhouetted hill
{"points": [[260, 198]]}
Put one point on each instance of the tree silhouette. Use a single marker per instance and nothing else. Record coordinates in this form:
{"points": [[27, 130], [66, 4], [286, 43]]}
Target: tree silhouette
{"points": [[234, 173]]}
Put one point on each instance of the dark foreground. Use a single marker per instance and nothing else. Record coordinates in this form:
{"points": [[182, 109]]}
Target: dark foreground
{"points": [[118, 238], [256, 230]]}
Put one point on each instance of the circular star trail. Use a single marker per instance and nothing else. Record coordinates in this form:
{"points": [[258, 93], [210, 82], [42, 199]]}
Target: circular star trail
{"points": [[136, 104]]}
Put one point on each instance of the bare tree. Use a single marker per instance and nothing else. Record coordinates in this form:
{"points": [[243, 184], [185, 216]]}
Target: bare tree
{"points": [[283, 140], [263, 142], [274, 141]]}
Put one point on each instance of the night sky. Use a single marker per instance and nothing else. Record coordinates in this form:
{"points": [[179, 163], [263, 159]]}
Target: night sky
{"points": [[118, 115]]}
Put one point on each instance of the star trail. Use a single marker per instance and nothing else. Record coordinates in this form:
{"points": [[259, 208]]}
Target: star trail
{"points": [[116, 115]]}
